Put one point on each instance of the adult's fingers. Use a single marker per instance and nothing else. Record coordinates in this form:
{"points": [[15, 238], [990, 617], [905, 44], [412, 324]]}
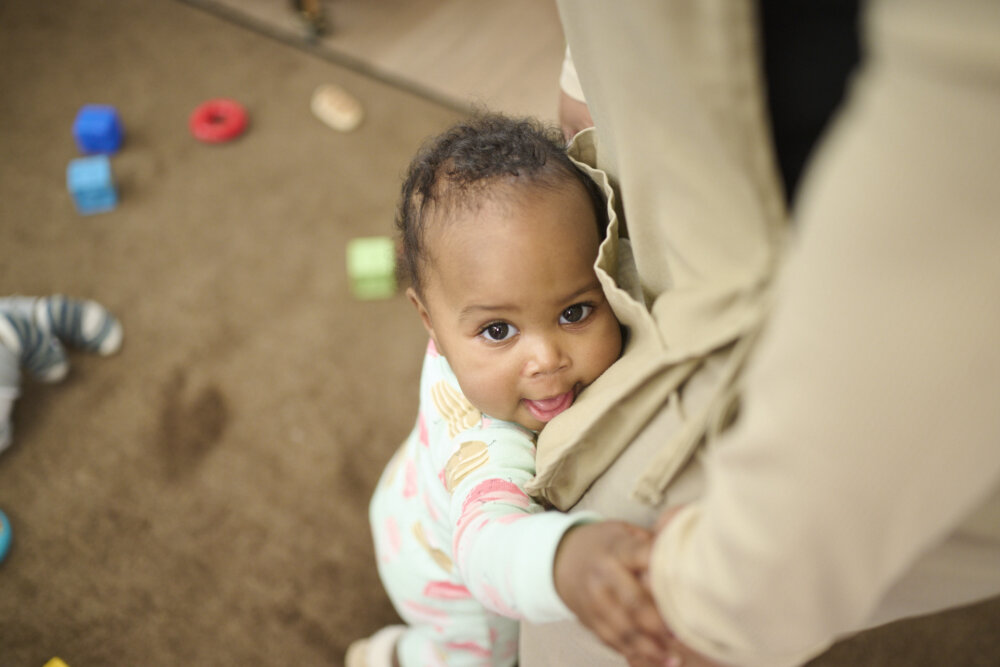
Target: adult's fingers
{"points": [[633, 547]]}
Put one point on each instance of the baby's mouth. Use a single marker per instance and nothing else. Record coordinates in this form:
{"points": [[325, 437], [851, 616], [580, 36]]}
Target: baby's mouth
{"points": [[546, 409]]}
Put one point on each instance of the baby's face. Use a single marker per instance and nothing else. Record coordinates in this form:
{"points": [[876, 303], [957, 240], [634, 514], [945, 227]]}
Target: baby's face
{"points": [[512, 301]]}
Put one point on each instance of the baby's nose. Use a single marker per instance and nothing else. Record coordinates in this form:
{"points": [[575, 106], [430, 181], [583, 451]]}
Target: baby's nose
{"points": [[546, 356]]}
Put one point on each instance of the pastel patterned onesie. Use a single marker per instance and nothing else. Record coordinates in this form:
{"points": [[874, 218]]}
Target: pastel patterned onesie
{"points": [[462, 550]]}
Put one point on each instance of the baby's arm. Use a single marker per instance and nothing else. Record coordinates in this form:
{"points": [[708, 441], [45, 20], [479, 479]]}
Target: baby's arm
{"points": [[524, 562], [503, 542]]}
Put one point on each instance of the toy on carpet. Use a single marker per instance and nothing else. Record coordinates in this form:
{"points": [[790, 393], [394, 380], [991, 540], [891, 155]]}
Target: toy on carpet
{"points": [[314, 17], [91, 184], [55, 662], [4, 535], [98, 129], [98, 132], [218, 121], [32, 333], [337, 108], [371, 267]]}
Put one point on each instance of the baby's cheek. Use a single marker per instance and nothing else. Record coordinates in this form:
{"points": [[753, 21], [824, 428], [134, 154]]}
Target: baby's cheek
{"points": [[606, 349], [494, 395]]}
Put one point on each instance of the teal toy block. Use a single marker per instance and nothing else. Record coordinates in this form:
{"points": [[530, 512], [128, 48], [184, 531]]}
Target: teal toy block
{"points": [[4, 535], [90, 182], [371, 267], [98, 129]]}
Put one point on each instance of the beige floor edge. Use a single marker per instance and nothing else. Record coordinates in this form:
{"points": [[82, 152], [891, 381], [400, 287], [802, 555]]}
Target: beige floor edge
{"points": [[461, 53]]}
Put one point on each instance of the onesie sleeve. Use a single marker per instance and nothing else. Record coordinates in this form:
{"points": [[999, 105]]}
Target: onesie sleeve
{"points": [[505, 542]]}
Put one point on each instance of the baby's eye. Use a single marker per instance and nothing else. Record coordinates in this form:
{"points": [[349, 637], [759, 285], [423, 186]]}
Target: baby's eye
{"points": [[576, 313], [498, 331]]}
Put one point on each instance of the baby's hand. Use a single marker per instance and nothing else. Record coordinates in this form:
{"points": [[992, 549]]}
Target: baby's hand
{"points": [[598, 568]]}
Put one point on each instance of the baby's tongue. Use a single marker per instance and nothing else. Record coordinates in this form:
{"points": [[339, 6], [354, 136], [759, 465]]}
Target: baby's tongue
{"points": [[546, 409], [549, 403]]}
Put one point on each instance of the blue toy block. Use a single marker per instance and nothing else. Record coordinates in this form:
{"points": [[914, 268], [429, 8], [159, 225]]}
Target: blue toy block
{"points": [[97, 129], [90, 183]]}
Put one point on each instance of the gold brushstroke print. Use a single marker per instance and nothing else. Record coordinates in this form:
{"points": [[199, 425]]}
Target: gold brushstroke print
{"points": [[455, 408], [470, 456], [440, 557]]}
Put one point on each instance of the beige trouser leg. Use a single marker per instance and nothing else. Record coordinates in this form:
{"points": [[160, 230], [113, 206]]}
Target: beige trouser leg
{"points": [[675, 92], [571, 643], [959, 569]]}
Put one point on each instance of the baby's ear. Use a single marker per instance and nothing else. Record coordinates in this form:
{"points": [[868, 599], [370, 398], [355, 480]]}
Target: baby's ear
{"points": [[425, 316]]}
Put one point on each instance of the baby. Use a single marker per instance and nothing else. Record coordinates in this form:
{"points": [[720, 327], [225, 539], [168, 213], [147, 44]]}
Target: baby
{"points": [[500, 231]]}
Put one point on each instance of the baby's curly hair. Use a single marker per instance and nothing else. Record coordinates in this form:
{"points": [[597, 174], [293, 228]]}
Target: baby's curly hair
{"points": [[486, 156]]}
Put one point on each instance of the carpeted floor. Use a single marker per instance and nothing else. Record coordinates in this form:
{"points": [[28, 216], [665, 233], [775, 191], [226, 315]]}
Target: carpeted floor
{"points": [[504, 55], [200, 498]]}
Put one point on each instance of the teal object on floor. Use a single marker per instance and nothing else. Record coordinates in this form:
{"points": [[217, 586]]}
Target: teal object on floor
{"points": [[90, 182], [4, 536]]}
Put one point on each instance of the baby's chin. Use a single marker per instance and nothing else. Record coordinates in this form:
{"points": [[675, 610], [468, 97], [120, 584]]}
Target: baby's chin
{"points": [[525, 420]]}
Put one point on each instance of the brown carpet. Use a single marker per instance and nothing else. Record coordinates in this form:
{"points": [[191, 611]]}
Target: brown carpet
{"points": [[200, 499]]}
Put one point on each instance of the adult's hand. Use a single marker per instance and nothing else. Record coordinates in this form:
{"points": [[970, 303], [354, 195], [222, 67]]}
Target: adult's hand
{"points": [[598, 571]]}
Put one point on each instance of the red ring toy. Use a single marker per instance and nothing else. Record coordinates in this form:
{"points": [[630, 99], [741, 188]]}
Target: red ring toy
{"points": [[217, 121]]}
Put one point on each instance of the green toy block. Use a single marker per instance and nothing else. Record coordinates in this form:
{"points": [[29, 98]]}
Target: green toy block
{"points": [[371, 267]]}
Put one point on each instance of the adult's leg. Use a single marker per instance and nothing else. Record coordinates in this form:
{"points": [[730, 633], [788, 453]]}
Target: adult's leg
{"points": [[861, 483], [674, 90]]}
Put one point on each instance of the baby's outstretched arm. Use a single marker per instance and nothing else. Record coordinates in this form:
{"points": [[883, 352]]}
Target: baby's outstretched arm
{"points": [[598, 570]]}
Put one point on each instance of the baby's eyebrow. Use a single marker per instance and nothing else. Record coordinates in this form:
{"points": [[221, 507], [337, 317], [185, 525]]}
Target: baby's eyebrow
{"points": [[596, 285], [478, 310]]}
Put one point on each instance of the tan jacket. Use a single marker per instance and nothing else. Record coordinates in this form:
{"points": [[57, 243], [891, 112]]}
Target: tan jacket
{"points": [[694, 284], [861, 482]]}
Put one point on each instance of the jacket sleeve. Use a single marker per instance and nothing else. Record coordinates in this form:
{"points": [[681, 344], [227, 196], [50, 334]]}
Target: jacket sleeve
{"points": [[868, 439]]}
